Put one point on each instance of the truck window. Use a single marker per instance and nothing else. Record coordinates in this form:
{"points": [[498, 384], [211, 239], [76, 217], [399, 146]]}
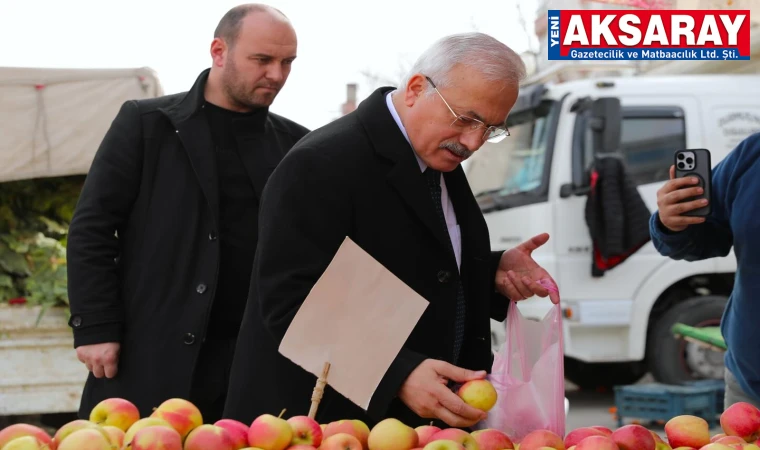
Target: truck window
{"points": [[649, 136], [517, 164]]}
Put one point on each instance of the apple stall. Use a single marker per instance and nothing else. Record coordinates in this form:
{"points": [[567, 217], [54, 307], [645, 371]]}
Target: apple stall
{"points": [[52, 123]]}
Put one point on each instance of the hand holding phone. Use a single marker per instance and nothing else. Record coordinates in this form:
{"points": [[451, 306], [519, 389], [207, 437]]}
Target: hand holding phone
{"points": [[685, 199]]}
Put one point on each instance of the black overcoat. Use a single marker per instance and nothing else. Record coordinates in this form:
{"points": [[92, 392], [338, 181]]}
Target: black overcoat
{"points": [[358, 177], [143, 248]]}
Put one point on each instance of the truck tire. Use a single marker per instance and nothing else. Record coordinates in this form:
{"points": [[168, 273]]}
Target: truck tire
{"points": [[668, 357], [593, 376]]}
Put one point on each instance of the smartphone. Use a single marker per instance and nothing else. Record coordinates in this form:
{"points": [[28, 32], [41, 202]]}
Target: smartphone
{"points": [[696, 163]]}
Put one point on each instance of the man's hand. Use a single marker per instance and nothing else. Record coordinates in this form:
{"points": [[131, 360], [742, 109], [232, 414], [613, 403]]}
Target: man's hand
{"points": [[100, 359], [426, 393], [669, 196], [519, 276]]}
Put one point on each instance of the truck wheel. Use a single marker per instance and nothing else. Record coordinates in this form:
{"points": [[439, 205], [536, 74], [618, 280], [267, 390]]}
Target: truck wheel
{"points": [[676, 361], [602, 375]]}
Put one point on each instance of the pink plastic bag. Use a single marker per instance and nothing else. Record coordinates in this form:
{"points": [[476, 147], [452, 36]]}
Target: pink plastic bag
{"points": [[529, 376]]}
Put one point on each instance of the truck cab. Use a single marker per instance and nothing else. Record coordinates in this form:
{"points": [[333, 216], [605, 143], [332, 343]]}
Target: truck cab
{"points": [[616, 326]]}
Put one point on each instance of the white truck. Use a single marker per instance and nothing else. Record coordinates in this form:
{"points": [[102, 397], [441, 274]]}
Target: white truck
{"points": [[51, 123], [617, 326]]}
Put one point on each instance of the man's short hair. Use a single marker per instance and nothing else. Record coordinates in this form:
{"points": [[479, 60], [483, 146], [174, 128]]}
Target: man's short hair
{"points": [[229, 26]]}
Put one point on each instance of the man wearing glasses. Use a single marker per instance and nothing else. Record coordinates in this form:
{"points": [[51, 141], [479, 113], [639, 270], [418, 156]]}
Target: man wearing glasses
{"points": [[388, 176]]}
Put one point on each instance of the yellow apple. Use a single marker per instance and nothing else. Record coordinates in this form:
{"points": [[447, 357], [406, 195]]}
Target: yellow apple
{"points": [[479, 394]]}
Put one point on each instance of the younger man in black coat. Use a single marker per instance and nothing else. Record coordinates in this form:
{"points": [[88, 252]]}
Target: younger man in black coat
{"points": [[162, 241]]}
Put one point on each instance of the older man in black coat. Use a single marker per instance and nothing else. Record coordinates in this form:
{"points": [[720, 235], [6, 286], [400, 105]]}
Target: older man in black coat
{"points": [[389, 177], [161, 245]]}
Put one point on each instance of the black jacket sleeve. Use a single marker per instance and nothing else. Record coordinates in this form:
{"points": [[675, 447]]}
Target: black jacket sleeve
{"points": [[305, 214], [104, 204]]}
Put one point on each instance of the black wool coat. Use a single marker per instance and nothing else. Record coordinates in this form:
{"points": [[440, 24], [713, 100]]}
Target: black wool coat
{"points": [[143, 248], [358, 177]]}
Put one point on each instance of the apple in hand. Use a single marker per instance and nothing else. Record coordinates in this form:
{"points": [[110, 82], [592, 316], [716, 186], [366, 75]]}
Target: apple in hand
{"points": [[116, 412], [18, 430], [491, 439], [181, 414], [270, 433], [424, 433], [238, 431], [392, 434], [305, 431], [86, 439], [479, 394]]}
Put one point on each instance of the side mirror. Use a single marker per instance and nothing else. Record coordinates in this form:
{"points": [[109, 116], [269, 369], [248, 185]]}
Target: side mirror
{"points": [[605, 125], [570, 189]]}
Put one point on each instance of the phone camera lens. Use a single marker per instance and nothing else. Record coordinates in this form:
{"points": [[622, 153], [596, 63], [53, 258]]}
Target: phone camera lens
{"points": [[689, 160], [680, 156], [681, 165]]}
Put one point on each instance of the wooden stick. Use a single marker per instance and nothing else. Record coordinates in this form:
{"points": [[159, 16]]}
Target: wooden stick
{"points": [[319, 390]]}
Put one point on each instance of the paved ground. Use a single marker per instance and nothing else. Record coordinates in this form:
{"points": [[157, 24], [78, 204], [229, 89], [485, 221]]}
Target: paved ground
{"points": [[593, 408]]}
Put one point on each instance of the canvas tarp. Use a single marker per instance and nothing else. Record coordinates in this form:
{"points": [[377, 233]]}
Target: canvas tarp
{"points": [[53, 120]]}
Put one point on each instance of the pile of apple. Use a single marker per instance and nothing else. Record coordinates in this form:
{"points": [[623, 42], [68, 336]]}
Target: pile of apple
{"points": [[177, 424]]}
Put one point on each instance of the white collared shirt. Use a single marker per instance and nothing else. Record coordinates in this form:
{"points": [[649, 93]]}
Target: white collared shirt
{"points": [[448, 207]]}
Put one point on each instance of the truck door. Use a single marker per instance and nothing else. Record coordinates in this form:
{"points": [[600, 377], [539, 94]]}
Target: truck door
{"points": [[652, 128]]}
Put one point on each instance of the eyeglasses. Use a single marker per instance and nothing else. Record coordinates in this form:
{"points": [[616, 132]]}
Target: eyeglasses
{"points": [[491, 134]]}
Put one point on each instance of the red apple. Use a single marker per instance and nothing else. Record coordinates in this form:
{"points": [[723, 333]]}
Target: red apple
{"points": [[606, 431], [116, 412], [461, 437], [181, 414], [634, 437], [741, 419], [491, 439], [578, 434], [143, 423], [598, 442], [86, 439], [541, 438], [305, 431], [25, 443], [270, 433], [156, 437], [392, 434], [76, 425], [341, 441], [209, 437], [424, 433], [18, 430], [716, 437], [355, 428], [238, 431], [443, 444], [115, 435], [687, 431]]}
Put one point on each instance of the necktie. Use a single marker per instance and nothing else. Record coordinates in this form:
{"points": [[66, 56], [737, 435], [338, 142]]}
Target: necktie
{"points": [[433, 178]]}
